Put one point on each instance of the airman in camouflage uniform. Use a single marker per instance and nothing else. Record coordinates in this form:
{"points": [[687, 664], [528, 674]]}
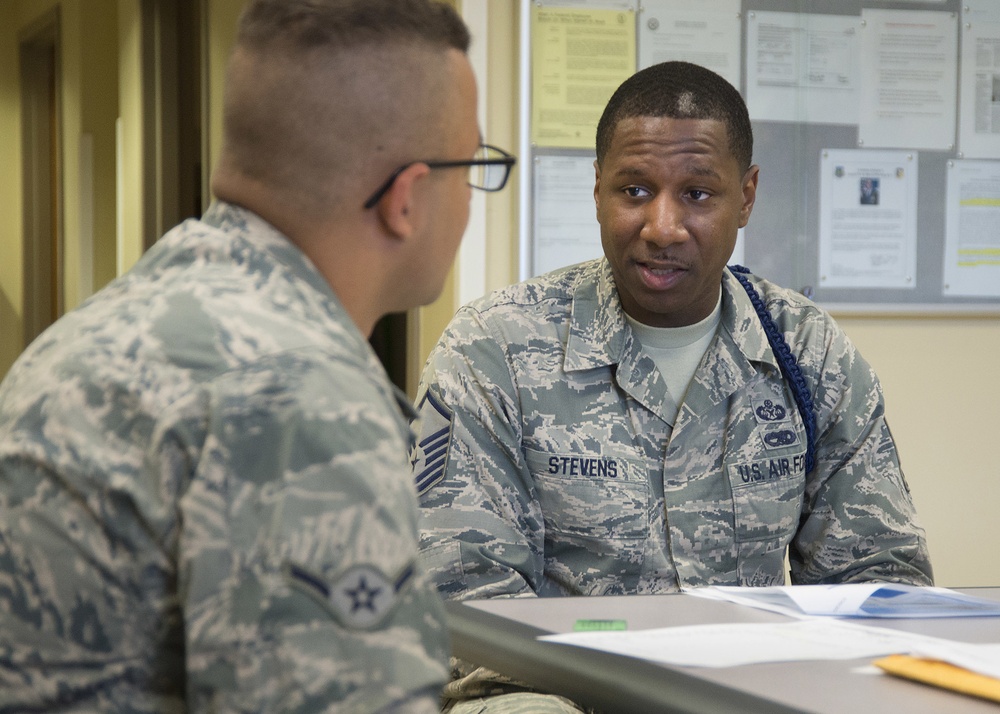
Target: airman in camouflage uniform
{"points": [[204, 487], [552, 458]]}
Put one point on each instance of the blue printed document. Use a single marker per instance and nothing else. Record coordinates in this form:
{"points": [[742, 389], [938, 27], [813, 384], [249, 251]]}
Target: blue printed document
{"points": [[882, 600]]}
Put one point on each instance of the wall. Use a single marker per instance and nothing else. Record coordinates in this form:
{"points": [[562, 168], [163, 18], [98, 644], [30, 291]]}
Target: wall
{"points": [[500, 128], [88, 33], [11, 282], [943, 406]]}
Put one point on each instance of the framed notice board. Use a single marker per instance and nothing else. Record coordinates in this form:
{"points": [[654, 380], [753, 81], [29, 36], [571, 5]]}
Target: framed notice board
{"points": [[876, 127]]}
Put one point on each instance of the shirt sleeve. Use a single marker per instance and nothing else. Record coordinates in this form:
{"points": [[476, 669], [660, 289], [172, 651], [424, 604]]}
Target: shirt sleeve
{"points": [[298, 572], [858, 521], [482, 531]]}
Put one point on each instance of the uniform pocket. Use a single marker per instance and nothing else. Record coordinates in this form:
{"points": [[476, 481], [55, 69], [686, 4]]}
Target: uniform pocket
{"points": [[590, 496], [767, 497]]}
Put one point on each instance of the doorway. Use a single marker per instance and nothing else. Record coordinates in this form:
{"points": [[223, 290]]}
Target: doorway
{"points": [[42, 210]]}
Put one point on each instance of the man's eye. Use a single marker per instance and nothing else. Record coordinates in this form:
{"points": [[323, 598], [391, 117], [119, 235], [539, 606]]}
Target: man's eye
{"points": [[636, 191], [698, 194]]}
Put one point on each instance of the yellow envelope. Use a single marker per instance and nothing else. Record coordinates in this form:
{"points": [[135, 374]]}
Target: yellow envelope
{"points": [[941, 674]]}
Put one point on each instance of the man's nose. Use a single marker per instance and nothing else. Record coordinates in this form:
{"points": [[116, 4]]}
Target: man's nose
{"points": [[664, 221]]}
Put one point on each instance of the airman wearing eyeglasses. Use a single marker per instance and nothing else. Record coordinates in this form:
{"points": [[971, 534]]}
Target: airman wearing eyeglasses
{"points": [[205, 500]]}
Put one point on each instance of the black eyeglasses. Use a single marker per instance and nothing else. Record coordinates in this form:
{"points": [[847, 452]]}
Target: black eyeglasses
{"points": [[488, 171]]}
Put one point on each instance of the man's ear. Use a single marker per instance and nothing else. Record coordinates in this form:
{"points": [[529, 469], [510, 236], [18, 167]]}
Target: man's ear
{"points": [[749, 193], [398, 207], [597, 186]]}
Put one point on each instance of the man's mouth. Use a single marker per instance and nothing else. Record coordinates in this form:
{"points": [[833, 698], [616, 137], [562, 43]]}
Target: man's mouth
{"points": [[660, 275]]}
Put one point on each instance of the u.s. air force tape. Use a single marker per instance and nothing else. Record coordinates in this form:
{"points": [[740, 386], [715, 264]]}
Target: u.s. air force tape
{"points": [[359, 598]]}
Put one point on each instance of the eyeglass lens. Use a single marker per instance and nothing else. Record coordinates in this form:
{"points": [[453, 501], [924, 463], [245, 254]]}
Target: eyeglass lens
{"points": [[489, 177]]}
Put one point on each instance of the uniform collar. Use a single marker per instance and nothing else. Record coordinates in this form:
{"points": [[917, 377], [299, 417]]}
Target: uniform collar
{"points": [[262, 236], [598, 332], [599, 335]]}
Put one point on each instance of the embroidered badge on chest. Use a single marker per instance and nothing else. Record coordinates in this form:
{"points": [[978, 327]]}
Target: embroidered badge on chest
{"points": [[768, 411], [774, 421]]}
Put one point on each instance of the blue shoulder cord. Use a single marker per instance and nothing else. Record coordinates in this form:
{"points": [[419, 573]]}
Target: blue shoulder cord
{"points": [[786, 361]]}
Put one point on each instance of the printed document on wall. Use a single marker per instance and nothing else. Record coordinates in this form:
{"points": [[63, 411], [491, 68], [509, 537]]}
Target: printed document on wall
{"points": [[803, 67], [909, 88], [706, 33], [566, 230], [979, 104], [578, 59], [868, 219], [972, 241]]}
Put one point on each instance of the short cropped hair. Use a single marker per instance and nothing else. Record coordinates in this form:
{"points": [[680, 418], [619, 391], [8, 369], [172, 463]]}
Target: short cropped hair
{"points": [[305, 24], [679, 90], [318, 91]]}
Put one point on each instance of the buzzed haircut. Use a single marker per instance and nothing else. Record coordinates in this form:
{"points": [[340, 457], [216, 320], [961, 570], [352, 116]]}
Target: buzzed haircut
{"points": [[305, 24], [679, 90], [317, 90]]}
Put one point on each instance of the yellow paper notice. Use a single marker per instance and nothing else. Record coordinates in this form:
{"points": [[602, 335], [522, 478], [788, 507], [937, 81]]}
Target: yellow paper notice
{"points": [[579, 57]]}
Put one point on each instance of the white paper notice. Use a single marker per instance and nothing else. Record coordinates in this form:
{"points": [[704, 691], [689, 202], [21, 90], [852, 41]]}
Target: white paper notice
{"points": [[868, 219], [908, 89], [705, 33], [972, 241], [802, 67], [566, 230], [979, 107]]}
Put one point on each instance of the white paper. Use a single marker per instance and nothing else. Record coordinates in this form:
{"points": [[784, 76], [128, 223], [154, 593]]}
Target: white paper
{"points": [[729, 645], [908, 87], [980, 11], [870, 600], [566, 230], [705, 33], [868, 218], [979, 104], [803, 67], [972, 236], [982, 658]]}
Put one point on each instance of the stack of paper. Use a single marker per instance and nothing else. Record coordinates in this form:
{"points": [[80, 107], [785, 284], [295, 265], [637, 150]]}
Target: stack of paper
{"points": [[818, 633], [856, 600]]}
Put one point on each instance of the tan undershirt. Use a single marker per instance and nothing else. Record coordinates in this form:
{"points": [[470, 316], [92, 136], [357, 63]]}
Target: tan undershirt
{"points": [[677, 351]]}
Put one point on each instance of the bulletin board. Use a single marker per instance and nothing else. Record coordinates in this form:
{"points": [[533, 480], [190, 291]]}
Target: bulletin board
{"points": [[876, 127]]}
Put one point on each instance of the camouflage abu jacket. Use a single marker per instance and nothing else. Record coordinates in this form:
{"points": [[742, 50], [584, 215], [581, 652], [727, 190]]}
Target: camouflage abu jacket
{"points": [[205, 503], [546, 463]]}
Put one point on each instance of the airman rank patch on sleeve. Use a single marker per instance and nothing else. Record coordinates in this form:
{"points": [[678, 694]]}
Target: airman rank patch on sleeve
{"points": [[430, 455], [359, 598]]}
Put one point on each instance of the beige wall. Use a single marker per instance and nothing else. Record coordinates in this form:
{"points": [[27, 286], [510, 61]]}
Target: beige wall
{"points": [[11, 283], [943, 406], [88, 39]]}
